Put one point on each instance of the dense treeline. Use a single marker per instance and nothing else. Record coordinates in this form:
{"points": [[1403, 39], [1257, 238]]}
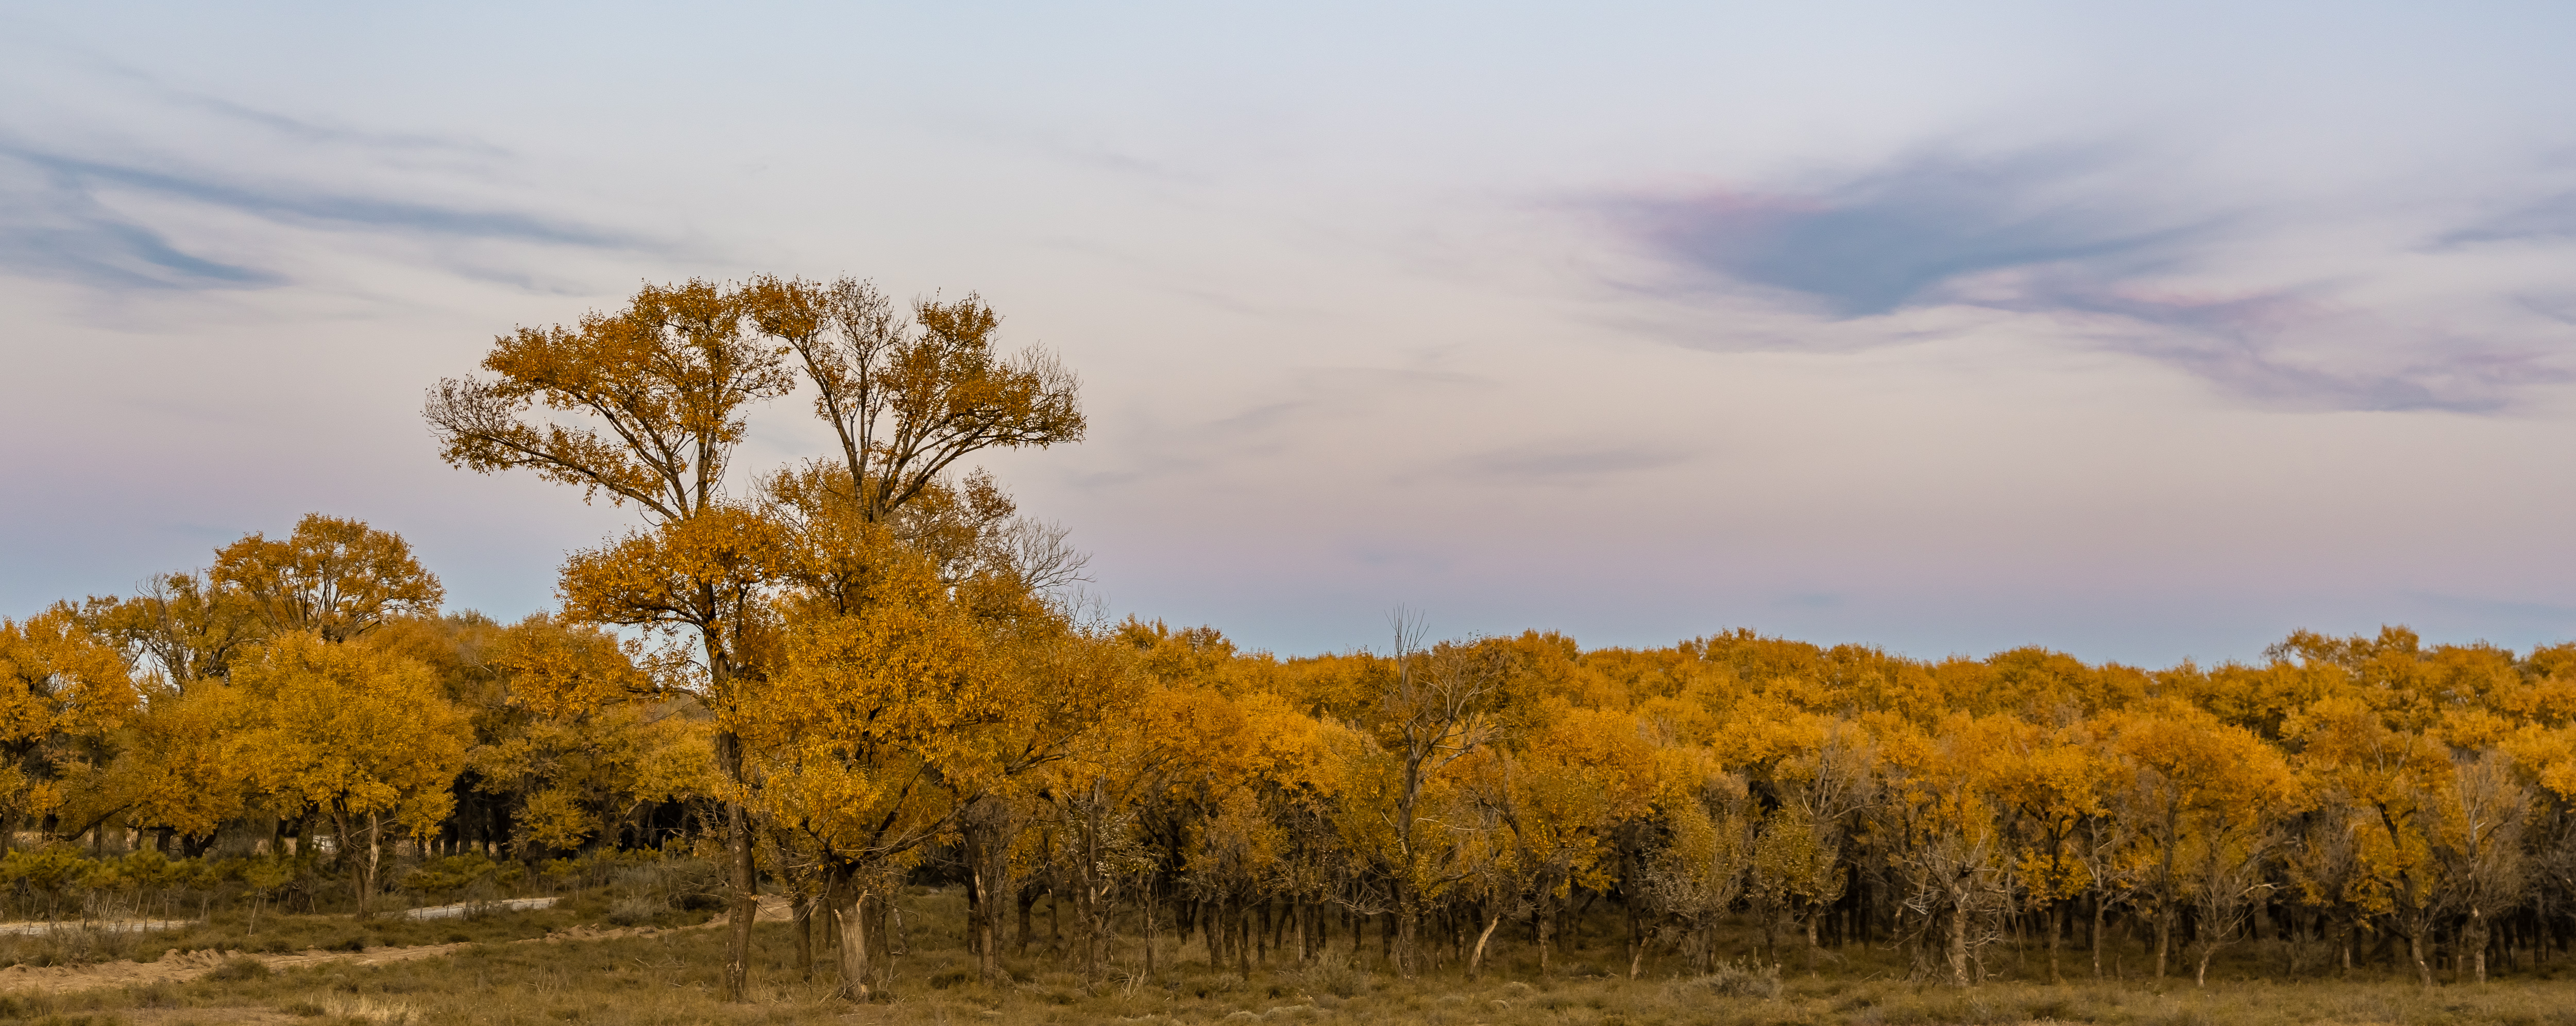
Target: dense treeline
{"points": [[304, 697], [872, 671]]}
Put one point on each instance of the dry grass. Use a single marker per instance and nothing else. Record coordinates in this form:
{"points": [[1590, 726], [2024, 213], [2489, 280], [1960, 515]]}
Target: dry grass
{"points": [[671, 978]]}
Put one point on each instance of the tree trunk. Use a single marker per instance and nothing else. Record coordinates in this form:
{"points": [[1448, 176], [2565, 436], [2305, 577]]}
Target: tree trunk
{"points": [[802, 905], [1478, 959], [1959, 942], [854, 946], [1087, 888], [1027, 900], [2099, 911], [1297, 928], [342, 830], [2164, 933], [2056, 930], [981, 857], [1151, 910], [745, 878], [2473, 940], [1407, 921], [1545, 926], [1211, 914], [2344, 929], [375, 859]]}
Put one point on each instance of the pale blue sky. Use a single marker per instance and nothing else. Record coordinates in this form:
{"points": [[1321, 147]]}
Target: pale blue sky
{"points": [[2141, 331]]}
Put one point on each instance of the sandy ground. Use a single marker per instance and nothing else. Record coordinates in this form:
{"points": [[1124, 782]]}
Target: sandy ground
{"points": [[107, 925], [460, 909], [177, 967]]}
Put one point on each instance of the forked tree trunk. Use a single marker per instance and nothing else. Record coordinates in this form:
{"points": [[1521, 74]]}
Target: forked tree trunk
{"points": [[1477, 960], [854, 945]]}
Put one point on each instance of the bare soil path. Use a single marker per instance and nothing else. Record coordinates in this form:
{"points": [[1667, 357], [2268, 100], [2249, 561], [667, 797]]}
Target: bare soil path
{"points": [[179, 967], [103, 925]]}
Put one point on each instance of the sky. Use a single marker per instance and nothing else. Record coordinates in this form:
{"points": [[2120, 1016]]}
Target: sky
{"points": [[2139, 331]]}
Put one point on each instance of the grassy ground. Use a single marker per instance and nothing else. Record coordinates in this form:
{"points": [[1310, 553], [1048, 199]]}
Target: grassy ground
{"points": [[672, 977]]}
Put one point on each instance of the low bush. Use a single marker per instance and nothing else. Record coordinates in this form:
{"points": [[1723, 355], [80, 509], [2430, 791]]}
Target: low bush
{"points": [[1738, 980]]}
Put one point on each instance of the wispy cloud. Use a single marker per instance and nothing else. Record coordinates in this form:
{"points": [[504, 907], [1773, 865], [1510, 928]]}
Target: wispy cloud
{"points": [[2550, 219], [53, 227], [99, 204], [291, 202], [1889, 238], [2240, 342], [1566, 463], [2065, 236]]}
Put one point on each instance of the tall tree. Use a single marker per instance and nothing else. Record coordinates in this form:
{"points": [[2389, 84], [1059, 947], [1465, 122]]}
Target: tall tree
{"points": [[335, 577], [2196, 786], [908, 402], [1440, 705], [663, 386], [885, 728], [654, 399]]}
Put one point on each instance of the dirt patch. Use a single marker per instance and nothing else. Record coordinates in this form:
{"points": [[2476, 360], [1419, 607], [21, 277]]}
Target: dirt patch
{"points": [[180, 967], [467, 908], [94, 925], [229, 1015]]}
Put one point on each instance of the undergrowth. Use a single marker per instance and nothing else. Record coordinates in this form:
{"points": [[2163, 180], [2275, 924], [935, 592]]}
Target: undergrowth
{"points": [[672, 978]]}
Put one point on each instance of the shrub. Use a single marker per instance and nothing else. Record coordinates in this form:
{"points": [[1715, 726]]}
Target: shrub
{"points": [[1739, 980], [635, 911], [1333, 976], [239, 968]]}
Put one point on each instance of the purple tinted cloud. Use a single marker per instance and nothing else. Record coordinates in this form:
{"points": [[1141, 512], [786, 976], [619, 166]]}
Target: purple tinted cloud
{"points": [[1890, 238], [2053, 234]]}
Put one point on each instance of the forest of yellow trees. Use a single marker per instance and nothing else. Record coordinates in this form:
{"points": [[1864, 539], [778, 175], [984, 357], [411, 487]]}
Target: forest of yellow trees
{"points": [[870, 668]]}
